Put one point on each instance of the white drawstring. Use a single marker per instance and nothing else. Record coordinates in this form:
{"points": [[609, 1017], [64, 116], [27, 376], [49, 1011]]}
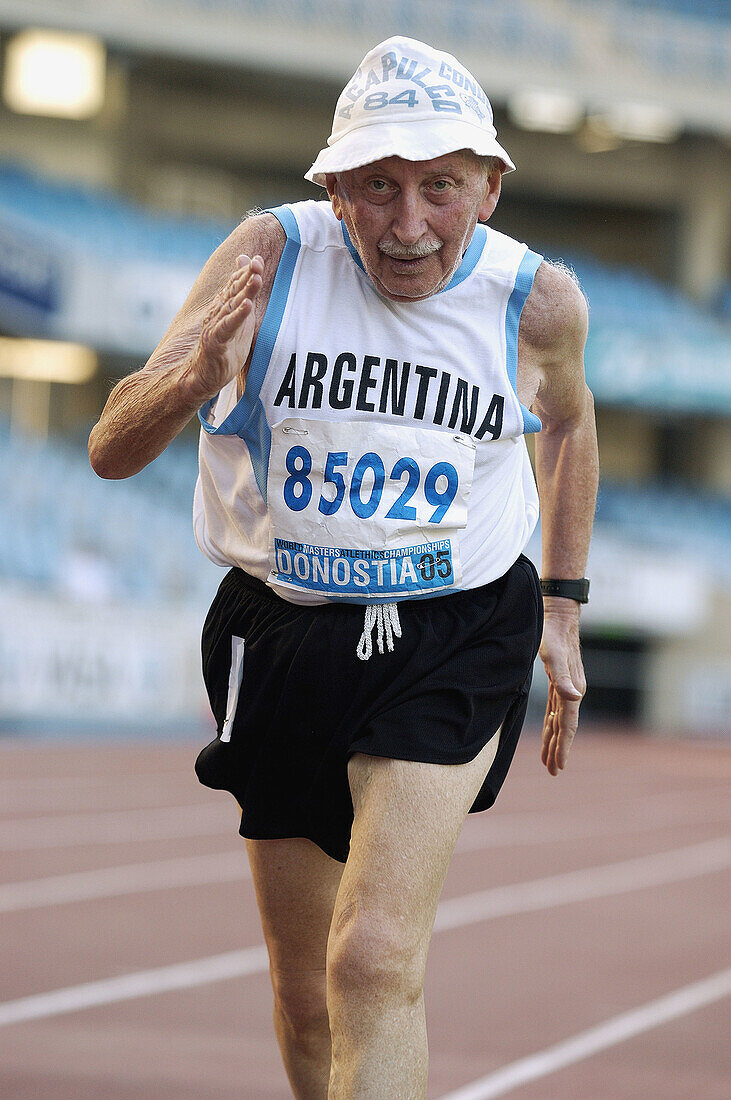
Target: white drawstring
{"points": [[384, 616]]}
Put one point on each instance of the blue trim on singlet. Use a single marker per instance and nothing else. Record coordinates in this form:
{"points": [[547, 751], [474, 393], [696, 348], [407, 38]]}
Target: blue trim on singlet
{"points": [[521, 289], [351, 247], [467, 266], [248, 419], [469, 260]]}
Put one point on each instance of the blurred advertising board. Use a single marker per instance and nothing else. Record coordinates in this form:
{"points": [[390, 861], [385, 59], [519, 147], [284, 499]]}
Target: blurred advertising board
{"points": [[646, 591], [52, 287], [99, 666], [665, 369], [31, 277], [641, 590]]}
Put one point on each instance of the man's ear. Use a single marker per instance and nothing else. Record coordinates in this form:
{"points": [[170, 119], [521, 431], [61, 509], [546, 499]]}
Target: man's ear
{"points": [[491, 196], [332, 189]]}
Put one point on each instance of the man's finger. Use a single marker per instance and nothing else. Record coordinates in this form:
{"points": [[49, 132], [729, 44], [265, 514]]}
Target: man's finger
{"points": [[551, 729], [559, 728], [569, 722], [227, 325], [563, 749], [552, 753], [547, 727]]}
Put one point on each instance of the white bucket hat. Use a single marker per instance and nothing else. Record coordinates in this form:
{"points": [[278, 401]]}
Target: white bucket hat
{"points": [[408, 100]]}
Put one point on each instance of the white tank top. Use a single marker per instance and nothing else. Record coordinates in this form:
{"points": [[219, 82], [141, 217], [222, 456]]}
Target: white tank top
{"points": [[378, 450]]}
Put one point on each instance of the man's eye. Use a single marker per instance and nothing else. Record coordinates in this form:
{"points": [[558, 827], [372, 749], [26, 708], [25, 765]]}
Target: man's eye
{"points": [[440, 185], [379, 185]]}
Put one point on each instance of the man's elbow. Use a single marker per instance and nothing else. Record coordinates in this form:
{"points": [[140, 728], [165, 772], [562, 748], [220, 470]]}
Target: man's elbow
{"points": [[102, 457], [588, 412], [568, 416]]}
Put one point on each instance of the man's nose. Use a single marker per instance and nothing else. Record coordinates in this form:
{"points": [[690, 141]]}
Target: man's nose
{"points": [[409, 223]]}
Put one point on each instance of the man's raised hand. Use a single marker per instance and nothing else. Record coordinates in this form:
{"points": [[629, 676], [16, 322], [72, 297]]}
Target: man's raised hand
{"points": [[228, 329]]}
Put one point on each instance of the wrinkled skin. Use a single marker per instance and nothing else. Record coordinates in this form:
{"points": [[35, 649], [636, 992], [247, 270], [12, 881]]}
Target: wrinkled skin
{"points": [[411, 221]]}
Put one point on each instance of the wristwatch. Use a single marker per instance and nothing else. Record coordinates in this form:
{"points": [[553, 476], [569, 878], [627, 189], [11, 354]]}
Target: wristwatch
{"points": [[571, 590]]}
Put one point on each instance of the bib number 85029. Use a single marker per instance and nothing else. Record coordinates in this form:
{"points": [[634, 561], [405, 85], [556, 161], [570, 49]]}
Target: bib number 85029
{"points": [[441, 483]]}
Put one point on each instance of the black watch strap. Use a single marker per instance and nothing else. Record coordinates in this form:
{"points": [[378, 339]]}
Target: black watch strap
{"points": [[571, 590]]}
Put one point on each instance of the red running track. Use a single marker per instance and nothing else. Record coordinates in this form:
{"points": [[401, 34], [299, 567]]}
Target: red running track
{"points": [[582, 948]]}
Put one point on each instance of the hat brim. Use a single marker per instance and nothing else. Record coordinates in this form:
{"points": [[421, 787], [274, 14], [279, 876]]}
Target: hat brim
{"points": [[413, 140]]}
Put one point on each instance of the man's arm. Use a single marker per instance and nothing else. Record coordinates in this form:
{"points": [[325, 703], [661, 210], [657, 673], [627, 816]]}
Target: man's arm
{"points": [[208, 343], [567, 472]]}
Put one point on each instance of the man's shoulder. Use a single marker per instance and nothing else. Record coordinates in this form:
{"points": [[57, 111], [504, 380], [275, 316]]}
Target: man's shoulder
{"points": [[266, 232], [502, 254], [311, 224], [260, 234], [555, 311]]}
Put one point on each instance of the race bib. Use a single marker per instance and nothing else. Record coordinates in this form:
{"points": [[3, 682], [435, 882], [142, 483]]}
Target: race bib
{"points": [[361, 509]]}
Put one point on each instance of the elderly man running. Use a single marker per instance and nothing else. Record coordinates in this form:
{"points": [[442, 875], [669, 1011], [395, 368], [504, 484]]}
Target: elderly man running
{"points": [[365, 371]]}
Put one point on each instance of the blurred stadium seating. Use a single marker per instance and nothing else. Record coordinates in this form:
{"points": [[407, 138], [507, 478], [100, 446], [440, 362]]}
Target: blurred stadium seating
{"points": [[102, 221], [132, 539], [703, 9], [695, 524]]}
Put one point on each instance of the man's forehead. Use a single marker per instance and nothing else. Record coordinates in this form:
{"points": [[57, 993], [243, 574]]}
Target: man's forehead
{"points": [[390, 165]]}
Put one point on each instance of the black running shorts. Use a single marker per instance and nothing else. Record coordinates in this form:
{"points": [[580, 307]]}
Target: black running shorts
{"points": [[292, 700]]}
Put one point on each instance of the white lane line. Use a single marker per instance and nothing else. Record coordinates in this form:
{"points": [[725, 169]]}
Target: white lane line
{"points": [[204, 818], [130, 878], [583, 885], [521, 897], [117, 826], [134, 878], [144, 983], [595, 1039]]}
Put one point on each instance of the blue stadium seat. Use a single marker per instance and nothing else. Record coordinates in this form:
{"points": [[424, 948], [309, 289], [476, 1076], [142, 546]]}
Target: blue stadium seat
{"points": [[104, 223], [669, 518], [137, 532]]}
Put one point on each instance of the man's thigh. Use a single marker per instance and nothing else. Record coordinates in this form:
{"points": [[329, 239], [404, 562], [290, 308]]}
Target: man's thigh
{"points": [[296, 885], [407, 819]]}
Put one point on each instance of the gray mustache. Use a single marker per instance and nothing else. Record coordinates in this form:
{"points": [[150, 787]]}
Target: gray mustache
{"points": [[409, 252]]}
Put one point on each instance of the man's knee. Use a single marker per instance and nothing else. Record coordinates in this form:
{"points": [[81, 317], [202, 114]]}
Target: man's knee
{"points": [[300, 1000], [376, 955]]}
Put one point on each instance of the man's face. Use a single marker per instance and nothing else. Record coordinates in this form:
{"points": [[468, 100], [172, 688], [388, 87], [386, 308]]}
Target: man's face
{"points": [[411, 221]]}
